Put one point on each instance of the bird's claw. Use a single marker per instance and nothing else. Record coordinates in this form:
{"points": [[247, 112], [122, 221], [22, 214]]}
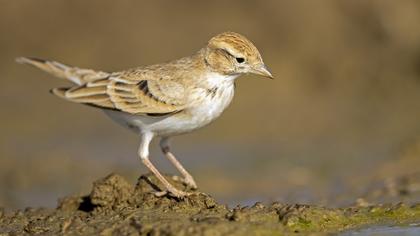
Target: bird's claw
{"points": [[187, 180], [174, 192]]}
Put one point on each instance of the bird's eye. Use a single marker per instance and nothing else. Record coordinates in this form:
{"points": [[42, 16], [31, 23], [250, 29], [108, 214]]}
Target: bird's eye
{"points": [[240, 59]]}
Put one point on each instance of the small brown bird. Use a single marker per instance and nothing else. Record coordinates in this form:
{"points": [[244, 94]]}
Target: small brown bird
{"points": [[166, 99]]}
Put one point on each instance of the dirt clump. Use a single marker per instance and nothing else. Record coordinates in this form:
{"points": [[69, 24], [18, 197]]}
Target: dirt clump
{"points": [[114, 207]]}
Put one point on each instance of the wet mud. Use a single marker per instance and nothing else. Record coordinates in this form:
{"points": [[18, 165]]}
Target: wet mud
{"points": [[114, 207]]}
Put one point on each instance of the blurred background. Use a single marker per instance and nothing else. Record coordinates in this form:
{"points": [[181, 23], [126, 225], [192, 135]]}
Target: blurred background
{"points": [[339, 122]]}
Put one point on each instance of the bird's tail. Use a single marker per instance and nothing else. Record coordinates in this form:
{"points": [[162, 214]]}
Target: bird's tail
{"points": [[76, 75]]}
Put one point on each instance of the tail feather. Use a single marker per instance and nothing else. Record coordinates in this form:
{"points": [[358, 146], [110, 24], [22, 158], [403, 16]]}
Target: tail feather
{"points": [[76, 75], [55, 68]]}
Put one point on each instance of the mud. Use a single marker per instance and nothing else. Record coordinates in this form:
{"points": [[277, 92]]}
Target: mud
{"points": [[114, 207]]}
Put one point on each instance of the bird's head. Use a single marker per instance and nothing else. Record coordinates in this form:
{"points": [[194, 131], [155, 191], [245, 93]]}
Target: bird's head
{"points": [[230, 53]]}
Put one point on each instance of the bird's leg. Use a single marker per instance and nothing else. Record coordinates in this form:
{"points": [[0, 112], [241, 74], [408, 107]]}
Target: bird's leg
{"points": [[188, 179], [143, 152]]}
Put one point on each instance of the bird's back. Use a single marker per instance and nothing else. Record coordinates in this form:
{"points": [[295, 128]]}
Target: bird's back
{"points": [[153, 90]]}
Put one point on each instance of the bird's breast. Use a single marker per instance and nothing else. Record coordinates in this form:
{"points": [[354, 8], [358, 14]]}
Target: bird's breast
{"points": [[211, 102], [206, 105]]}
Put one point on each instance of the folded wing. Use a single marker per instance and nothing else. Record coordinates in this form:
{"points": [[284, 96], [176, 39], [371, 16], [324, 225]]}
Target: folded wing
{"points": [[134, 96]]}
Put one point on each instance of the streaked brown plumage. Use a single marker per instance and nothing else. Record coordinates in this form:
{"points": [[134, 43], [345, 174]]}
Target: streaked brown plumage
{"points": [[164, 99]]}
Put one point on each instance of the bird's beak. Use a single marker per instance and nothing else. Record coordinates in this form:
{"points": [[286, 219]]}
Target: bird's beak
{"points": [[263, 70]]}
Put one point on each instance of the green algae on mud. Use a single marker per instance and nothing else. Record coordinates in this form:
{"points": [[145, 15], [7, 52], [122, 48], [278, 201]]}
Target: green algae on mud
{"points": [[116, 207]]}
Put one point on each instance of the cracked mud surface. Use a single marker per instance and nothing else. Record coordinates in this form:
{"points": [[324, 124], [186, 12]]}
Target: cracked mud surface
{"points": [[114, 207]]}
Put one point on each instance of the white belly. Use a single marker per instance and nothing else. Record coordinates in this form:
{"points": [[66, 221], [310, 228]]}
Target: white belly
{"points": [[208, 108]]}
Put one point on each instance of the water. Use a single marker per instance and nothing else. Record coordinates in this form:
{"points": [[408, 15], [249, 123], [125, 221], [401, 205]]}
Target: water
{"points": [[411, 230]]}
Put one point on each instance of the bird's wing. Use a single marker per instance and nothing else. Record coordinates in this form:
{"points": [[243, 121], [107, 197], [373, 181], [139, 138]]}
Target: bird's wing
{"points": [[132, 92]]}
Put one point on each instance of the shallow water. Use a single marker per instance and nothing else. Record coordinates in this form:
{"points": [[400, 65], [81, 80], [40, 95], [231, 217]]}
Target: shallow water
{"points": [[411, 230]]}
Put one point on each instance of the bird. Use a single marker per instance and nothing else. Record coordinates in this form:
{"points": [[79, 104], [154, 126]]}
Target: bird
{"points": [[167, 99]]}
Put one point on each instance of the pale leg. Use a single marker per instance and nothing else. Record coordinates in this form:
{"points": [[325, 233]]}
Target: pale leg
{"points": [[188, 179], [143, 152]]}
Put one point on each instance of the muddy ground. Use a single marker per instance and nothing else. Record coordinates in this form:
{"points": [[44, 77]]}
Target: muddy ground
{"points": [[114, 207]]}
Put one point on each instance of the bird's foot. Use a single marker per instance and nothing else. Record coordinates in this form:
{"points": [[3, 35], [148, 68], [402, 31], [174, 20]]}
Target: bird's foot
{"points": [[187, 180], [173, 192]]}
